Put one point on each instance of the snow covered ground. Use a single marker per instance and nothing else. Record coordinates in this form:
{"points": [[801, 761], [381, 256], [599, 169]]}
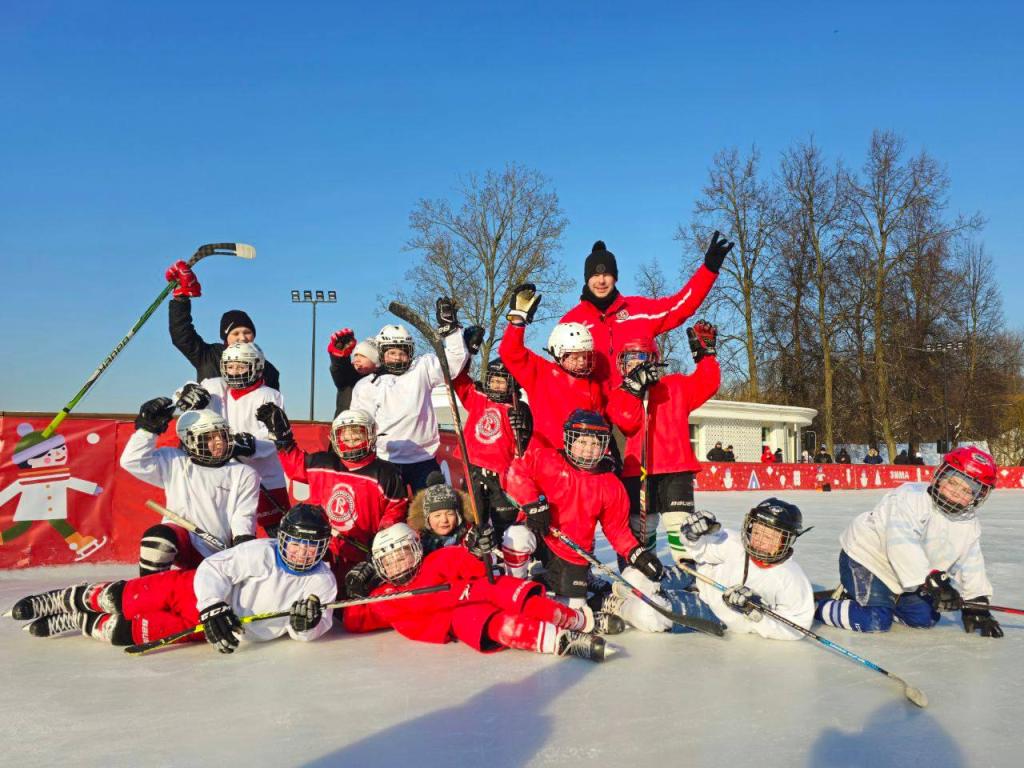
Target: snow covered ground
{"points": [[672, 699]]}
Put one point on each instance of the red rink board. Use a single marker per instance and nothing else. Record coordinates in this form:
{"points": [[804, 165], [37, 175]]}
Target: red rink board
{"points": [[65, 491]]}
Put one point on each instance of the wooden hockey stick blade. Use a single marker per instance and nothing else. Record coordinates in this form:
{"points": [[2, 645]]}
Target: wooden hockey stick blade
{"points": [[409, 315]]}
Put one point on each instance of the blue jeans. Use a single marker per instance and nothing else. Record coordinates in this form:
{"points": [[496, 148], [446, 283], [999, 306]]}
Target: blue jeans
{"points": [[415, 475], [876, 606]]}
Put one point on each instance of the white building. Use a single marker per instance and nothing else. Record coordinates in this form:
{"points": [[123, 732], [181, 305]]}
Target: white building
{"points": [[745, 426]]}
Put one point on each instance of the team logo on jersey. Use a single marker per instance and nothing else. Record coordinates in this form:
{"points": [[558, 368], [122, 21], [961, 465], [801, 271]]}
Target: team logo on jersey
{"points": [[488, 429], [341, 508], [622, 315]]}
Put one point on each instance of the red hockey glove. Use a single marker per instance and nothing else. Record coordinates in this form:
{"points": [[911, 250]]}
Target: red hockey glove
{"points": [[188, 283], [702, 336], [342, 343]]}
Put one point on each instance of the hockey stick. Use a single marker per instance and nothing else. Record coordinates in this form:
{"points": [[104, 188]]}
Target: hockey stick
{"points": [[241, 250], [403, 312], [643, 476], [693, 622], [916, 695], [143, 648], [188, 525], [1001, 608]]}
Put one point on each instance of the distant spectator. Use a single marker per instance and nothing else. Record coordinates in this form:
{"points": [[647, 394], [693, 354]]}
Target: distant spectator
{"points": [[716, 453], [823, 456], [778, 455], [767, 457], [872, 457], [842, 457], [902, 457], [805, 457], [918, 459], [729, 454]]}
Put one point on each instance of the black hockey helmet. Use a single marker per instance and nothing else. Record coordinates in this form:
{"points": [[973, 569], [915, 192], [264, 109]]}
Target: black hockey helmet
{"points": [[307, 525], [496, 371], [583, 423], [779, 516]]}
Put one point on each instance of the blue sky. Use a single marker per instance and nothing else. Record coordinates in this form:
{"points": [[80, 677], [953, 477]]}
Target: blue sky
{"points": [[132, 132]]}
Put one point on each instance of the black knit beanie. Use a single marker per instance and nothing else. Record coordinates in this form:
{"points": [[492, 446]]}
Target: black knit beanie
{"points": [[599, 262], [235, 318]]}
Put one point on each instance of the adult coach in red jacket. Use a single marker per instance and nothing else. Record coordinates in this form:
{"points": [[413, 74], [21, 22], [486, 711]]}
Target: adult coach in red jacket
{"points": [[614, 319], [670, 463]]}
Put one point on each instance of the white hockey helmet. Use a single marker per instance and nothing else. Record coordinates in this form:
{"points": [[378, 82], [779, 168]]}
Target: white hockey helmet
{"points": [[395, 337], [245, 361], [195, 430], [567, 338], [354, 417], [397, 554]]}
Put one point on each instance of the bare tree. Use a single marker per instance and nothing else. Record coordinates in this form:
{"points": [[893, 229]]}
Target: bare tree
{"points": [[738, 202], [504, 228], [672, 346]]}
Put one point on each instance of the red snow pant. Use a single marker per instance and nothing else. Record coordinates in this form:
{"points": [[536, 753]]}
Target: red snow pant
{"points": [[161, 604], [270, 509]]}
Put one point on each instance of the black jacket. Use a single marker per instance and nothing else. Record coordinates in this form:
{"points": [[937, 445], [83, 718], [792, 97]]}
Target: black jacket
{"points": [[842, 457], [205, 357], [345, 377], [717, 454]]}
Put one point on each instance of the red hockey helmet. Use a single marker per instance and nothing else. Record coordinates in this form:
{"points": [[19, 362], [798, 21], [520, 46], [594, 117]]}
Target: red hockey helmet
{"points": [[963, 482], [637, 350]]}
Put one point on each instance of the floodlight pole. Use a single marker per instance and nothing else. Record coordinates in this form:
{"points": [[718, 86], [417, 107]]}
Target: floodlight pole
{"points": [[314, 298]]}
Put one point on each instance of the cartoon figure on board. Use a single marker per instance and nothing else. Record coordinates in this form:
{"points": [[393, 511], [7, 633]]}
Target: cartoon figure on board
{"points": [[43, 484]]}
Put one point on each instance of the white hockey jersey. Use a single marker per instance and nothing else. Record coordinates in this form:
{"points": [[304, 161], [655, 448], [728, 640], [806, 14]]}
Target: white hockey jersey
{"points": [[784, 588], [251, 580], [220, 500], [905, 537], [241, 416], [401, 405]]}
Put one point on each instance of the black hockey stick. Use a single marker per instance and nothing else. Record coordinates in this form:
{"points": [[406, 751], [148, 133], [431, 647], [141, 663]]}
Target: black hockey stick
{"points": [[915, 695], [644, 482], [241, 250], [986, 606], [693, 622], [188, 525], [143, 648], [403, 312]]}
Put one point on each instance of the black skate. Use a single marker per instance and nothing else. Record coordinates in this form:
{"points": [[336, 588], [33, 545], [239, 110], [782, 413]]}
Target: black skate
{"points": [[581, 644], [607, 614], [596, 585], [45, 604], [57, 624]]}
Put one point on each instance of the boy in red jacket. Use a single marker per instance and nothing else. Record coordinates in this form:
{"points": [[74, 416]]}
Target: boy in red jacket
{"points": [[671, 465], [510, 613], [572, 490]]}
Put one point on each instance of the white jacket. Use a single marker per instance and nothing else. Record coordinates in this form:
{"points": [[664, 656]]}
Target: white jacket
{"points": [[905, 537], [250, 579], [220, 500], [784, 588], [241, 416], [401, 406]]}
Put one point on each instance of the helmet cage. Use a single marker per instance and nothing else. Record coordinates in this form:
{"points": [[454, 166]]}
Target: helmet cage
{"points": [[575, 430], [398, 562], [318, 543], [353, 452], [639, 351], [196, 442], [247, 354], [978, 490], [497, 395], [754, 543]]}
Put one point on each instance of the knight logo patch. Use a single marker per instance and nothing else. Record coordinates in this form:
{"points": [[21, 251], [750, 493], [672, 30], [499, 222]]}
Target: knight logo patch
{"points": [[488, 429], [622, 315], [341, 508]]}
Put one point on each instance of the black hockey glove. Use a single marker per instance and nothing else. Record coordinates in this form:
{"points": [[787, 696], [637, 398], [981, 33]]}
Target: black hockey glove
{"points": [[306, 614], [745, 601], [193, 397], [538, 516], [243, 445], [980, 619], [241, 539], [641, 378], [646, 562], [702, 336], [717, 250], [520, 418], [523, 304], [480, 540], [940, 592], [447, 317], [697, 524], [155, 415], [474, 338], [361, 580], [220, 625], [274, 419]]}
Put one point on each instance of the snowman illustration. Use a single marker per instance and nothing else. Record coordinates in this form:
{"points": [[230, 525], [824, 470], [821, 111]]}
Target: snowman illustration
{"points": [[43, 484]]}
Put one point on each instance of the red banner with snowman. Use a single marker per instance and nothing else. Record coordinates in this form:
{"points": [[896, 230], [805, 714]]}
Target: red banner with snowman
{"points": [[65, 499]]}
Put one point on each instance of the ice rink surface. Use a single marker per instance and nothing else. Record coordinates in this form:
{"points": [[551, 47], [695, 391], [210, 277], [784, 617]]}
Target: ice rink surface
{"points": [[671, 699]]}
